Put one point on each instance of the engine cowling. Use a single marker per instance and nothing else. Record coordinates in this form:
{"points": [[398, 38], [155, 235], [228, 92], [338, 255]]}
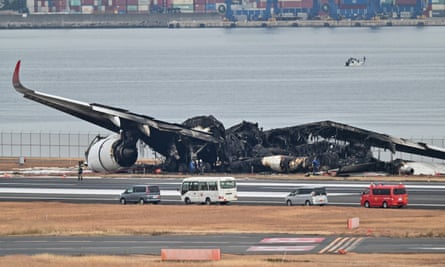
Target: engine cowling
{"points": [[110, 154]]}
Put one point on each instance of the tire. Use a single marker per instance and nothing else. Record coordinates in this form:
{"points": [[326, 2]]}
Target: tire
{"points": [[307, 203], [289, 203], [141, 201], [367, 204], [123, 201], [208, 202], [385, 205], [187, 201]]}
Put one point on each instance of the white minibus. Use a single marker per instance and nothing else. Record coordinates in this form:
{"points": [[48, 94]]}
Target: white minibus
{"points": [[208, 190]]}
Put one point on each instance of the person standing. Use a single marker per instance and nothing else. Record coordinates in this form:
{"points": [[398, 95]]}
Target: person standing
{"points": [[80, 171]]}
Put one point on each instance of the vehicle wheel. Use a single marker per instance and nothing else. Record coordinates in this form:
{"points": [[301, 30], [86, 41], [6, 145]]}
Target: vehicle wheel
{"points": [[385, 205], [307, 203], [187, 201], [208, 202], [289, 203], [123, 201], [367, 204], [141, 201]]}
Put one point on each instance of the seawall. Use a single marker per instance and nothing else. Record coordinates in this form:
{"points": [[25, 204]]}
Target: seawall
{"points": [[184, 20]]}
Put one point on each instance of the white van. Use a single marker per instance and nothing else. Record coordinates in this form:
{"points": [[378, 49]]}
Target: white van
{"points": [[307, 196], [208, 190]]}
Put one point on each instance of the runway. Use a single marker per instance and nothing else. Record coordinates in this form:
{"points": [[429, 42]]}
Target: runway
{"points": [[250, 192], [239, 244], [424, 195]]}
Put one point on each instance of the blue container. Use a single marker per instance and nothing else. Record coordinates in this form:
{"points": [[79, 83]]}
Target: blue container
{"points": [[211, 6]]}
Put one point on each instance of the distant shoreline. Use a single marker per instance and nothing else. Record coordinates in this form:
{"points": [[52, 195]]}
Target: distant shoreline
{"points": [[64, 21]]}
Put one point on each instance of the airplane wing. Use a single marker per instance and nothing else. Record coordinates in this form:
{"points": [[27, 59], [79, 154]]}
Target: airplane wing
{"points": [[111, 118]]}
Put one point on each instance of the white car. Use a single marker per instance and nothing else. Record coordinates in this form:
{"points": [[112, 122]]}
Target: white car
{"points": [[307, 196]]}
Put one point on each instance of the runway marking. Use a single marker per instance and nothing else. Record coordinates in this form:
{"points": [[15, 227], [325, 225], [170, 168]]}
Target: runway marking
{"points": [[341, 243], [293, 240], [280, 248], [276, 242], [432, 248]]}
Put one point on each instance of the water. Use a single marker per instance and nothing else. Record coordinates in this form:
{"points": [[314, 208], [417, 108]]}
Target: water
{"points": [[277, 77]]}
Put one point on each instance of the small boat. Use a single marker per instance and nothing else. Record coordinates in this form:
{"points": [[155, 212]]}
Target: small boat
{"points": [[353, 62]]}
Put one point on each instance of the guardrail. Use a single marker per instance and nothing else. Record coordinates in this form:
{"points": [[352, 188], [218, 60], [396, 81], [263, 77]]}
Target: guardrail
{"points": [[53, 145]]}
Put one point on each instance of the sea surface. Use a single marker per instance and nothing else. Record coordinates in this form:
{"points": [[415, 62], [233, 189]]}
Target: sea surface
{"points": [[276, 77]]}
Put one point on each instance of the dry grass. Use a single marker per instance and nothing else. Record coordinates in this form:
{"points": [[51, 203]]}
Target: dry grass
{"points": [[52, 218]]}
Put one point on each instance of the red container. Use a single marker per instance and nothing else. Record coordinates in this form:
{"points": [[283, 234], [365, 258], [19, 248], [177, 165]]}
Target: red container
{"points": [[307, 3], [199, 8], [60, 5], [289, 4]]}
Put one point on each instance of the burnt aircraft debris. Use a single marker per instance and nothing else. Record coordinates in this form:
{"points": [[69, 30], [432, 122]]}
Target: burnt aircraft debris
{"points": [[338, 147]]}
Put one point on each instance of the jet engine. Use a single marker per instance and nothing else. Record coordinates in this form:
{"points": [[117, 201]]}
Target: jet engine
{"points": [[112, 153]]}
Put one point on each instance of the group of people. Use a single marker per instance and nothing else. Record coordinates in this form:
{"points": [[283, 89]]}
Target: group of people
{"points": [[196, 166]]}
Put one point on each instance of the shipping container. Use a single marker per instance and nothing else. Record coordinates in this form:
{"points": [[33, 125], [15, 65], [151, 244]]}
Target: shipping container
{"points": [[354, 2], [290, 4], [75, 3], [307, 3], [132, 9], [143, 8], [211, 7], [184, 8], [406, 2], [59, 6], [387, 2], [87, 9], [438, 13], [438, 7], [87, 2], [353, 7], [75, 9]]}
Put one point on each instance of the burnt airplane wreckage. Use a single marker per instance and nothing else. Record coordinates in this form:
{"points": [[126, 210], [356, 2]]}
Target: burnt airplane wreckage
{"points": [[243, 148], [337, 148]]}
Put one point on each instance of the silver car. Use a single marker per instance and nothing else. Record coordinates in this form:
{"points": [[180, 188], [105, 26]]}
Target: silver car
{"points": [[307, 196], [141, 194]]}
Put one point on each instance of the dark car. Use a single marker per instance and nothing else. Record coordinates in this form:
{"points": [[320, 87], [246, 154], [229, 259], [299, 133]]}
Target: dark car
{"points": [[141, 194]]}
